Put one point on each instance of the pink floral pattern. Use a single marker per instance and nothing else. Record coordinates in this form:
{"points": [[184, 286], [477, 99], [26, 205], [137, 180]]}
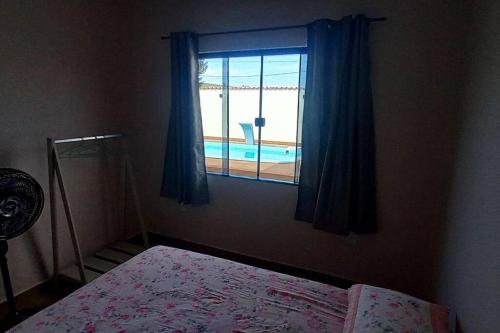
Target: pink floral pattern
{"points": [[171, 290], [373, 309]]}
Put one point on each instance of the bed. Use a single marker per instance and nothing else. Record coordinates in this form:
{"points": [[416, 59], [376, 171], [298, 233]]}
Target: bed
{"points": [[166, 289]]}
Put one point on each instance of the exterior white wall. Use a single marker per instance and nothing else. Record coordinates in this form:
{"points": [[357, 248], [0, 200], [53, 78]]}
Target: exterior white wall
{"points": [[279, 107]]}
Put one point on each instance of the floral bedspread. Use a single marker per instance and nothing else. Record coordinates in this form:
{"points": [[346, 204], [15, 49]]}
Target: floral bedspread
{"points": [[379, 310], [171, 290]]}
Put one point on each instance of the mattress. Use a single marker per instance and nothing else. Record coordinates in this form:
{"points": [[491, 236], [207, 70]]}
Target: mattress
{"points": [[166, 289]]}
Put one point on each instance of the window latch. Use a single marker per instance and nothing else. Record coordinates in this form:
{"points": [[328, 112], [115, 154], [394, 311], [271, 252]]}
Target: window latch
{"points": [[260, 122]]}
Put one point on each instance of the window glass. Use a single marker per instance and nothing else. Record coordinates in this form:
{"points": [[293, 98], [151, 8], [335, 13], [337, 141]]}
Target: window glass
{"points": [[279, 109], [244, 83], [252, 114], [211, 90]]}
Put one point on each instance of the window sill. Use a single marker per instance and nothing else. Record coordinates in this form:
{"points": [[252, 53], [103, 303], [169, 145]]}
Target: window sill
{"points": [[274, 181]]}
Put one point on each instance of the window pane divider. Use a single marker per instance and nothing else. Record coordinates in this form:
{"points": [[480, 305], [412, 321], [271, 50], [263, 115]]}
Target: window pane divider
{"points": [[260, 114], [225, 115]]}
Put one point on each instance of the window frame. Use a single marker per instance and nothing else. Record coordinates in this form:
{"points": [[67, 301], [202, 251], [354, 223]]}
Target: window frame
{"points": [[262, 53], [253, 52]]}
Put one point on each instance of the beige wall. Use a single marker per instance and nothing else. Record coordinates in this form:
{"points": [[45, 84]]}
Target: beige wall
{"points": [[60, 75], [469, 275], [80, 67], [417, 67]]}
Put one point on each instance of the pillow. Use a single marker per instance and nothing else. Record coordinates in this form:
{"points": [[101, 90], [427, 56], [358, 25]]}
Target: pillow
{"points": [[373, 309]]}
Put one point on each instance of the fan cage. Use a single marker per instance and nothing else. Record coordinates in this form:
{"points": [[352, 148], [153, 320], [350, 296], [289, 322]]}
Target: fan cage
{"points": [[21, 202]]}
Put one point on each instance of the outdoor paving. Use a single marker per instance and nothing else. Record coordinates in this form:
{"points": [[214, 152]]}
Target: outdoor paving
{"points": [[281, 171]]}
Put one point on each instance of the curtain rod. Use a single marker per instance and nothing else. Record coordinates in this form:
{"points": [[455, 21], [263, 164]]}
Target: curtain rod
{"points": [[375, 19]]}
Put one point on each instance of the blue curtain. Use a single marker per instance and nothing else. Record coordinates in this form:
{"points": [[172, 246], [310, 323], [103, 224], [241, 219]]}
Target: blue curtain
{"points": [[337, 177], [184, 174]]}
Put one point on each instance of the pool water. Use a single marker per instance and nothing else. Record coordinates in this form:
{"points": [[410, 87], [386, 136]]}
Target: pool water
{"points": [[244, 152]]}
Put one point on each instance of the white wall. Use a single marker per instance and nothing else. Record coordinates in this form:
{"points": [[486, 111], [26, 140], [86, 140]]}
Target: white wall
{"points": [[417, 68], [279, 107], [72, 68], [469, 268], [61, 75]]}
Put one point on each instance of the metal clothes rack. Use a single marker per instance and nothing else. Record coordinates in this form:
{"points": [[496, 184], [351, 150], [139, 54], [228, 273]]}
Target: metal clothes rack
{"points": [[86, 148]]}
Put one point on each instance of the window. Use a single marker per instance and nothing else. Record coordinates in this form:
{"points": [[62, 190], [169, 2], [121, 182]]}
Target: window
{"points": [[251, 105]]}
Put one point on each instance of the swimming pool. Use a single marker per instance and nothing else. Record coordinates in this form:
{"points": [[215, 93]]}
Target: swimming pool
{"points": [[244, 152]]}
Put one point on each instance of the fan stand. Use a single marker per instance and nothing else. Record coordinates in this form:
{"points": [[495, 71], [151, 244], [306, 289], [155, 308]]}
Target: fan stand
{"points": [[21, 202], [9, 294], [13, 315]]}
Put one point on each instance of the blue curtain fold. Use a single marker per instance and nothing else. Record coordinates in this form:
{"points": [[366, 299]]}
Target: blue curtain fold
{"points": [[184, 174], [337, 178]]}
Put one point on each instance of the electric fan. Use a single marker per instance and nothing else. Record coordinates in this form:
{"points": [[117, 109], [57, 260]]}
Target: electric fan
{"points": [[21, 202]]}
